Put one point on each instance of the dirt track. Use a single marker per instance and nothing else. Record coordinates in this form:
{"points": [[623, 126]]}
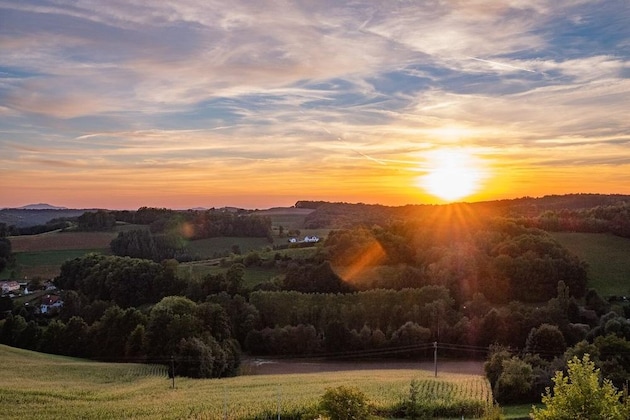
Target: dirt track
{"points": [[261, 366]]}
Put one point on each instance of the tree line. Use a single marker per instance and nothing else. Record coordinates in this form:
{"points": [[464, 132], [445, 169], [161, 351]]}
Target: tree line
{"points": [[570, 212], [198, 224]]}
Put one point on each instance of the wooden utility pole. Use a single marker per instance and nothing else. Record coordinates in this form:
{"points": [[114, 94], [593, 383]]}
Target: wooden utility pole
{"points": [[435, 357], [173, 370]]}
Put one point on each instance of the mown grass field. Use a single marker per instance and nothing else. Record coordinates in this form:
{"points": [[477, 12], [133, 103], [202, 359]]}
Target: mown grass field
{"points": [[252, 276], [39, 386], [46, 264], [212, 247], [519, 412], [42, 255], [608, 257]]}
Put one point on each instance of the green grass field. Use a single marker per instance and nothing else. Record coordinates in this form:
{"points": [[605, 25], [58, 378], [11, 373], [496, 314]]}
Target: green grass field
{"points": [[39, 386], [44, 264], [209, 248], [518, 412], [252, 276], [608, 257]]}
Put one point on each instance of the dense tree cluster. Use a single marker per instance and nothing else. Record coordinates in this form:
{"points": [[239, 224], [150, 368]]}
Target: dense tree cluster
{"points": [[100, 220], [612, 218], [197, 224], [141, 243], [123, 280], [5, 253], [55, 224], [169, 230], [196, 336], [501, 259], [551, 344]]}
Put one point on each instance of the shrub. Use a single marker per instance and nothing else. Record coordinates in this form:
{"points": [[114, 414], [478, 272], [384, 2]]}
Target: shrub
{"points": [[345, 403]]}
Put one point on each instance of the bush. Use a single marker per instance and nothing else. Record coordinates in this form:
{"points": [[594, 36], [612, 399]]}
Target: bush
{"points": [[345, 403]]}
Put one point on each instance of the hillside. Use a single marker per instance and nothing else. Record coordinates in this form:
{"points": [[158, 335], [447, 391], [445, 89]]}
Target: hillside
{"points": [[40, 386], [607, 257], [41, 206], [26, 217], [340, 215]]}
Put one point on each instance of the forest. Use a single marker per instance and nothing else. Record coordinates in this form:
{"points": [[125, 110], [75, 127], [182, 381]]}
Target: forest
{"points": [[484, 281]]}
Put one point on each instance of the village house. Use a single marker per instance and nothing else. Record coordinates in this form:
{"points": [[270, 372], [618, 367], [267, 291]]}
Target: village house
{"points": [[50, 304], [9, 287]]}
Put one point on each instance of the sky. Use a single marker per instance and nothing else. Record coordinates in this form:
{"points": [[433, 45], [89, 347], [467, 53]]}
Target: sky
{"points": [[198, 103]]}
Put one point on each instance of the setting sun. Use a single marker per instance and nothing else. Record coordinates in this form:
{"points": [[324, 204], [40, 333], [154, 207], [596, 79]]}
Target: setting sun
{"points": [[452, 174]]}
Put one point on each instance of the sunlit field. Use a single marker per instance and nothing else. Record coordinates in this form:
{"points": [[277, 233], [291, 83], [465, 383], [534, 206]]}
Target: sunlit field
{"points": [[38, 386], [607, 257]]}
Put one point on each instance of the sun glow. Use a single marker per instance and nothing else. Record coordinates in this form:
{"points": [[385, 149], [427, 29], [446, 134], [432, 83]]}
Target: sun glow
{"points": [[452, 174]]}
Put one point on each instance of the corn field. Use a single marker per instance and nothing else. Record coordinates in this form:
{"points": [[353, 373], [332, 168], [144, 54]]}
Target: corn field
{"points": [[36, 386]]}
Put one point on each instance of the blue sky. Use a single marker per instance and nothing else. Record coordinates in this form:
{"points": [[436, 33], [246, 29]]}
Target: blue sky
{"points": [[122, 104]]}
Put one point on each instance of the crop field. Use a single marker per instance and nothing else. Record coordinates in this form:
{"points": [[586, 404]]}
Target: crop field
{"points": [[39, 386], [608, 257], [56, 241]]}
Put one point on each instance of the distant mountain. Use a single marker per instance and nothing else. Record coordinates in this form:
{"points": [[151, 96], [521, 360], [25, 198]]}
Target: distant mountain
{"points": [[41, 206], [36, 214]]}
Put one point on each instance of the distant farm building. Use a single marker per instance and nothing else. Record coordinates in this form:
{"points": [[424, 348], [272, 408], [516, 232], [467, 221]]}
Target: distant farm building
{"points": [[311, 239]]}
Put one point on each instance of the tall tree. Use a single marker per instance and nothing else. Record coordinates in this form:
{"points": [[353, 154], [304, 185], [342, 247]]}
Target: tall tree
{"points": [[580, 395]]}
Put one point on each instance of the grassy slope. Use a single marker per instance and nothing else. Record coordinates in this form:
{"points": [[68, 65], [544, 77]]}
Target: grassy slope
{"points": [[206, 248], [39, 386], [61, 241], [608, 257], [46, 264], [42, 255]]}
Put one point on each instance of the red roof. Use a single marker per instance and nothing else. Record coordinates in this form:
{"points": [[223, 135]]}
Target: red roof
{"points": [[50, 299]]}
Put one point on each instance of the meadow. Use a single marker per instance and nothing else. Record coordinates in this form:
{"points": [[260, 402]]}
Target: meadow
{"points": [[42, 255], [607, 257], [41, 386]]}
